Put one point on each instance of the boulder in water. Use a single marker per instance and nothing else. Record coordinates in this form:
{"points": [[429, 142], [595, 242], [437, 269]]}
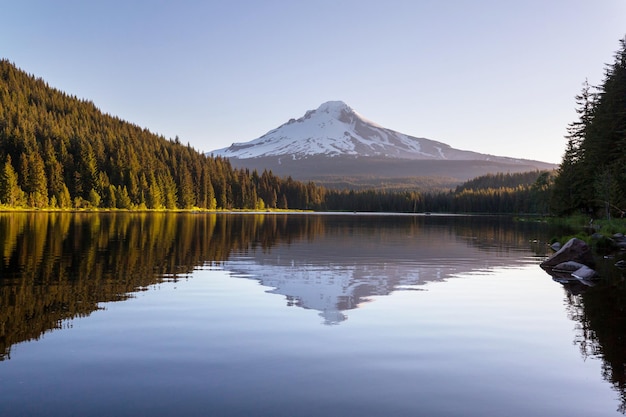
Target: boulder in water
{"points": [[574, 250]]}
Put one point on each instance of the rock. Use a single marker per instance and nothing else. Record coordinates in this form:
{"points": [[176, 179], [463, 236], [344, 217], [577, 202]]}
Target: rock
{"points": [[574, 250], [556, 246], [563, 271], [568, 266], [572, 271], [584, 273]]}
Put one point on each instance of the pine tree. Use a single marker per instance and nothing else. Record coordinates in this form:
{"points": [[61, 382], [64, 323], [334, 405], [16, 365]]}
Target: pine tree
{"points": [[186, 188], [64, 199], [122, 198], [89, 168], [154, 199], [36, 181], [570, 185], [54, 170], [168, 187], [10, 192]]}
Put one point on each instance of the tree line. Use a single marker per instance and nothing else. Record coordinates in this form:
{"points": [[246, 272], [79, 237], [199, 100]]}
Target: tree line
{"points": [[503, 193]]}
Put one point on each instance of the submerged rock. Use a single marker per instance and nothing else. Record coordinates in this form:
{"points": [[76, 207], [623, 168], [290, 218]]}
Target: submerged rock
{"points": [[572, 271], [584, 273]]}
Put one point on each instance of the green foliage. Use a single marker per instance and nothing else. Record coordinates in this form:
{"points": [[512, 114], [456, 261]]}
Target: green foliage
{"points": [[94, 198], [122, 198], [10, 192], [591, 177]]}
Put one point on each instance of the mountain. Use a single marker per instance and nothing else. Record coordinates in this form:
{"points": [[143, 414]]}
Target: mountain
{"points": [[334, 144], [335, 129]]}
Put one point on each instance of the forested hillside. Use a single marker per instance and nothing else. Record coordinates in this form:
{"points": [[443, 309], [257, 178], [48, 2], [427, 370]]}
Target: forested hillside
{"points": [[61, 152], [592, 175]]}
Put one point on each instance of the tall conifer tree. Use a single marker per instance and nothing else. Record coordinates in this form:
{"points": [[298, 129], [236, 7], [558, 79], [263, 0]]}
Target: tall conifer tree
{"points": [[10, 192], [593, 167]]}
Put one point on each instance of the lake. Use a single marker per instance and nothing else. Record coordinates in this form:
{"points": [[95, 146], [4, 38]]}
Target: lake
{"points": [[155, 314]]}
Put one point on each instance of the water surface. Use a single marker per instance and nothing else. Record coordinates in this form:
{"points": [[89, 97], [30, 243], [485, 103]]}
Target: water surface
{"points": [[298, 315]]}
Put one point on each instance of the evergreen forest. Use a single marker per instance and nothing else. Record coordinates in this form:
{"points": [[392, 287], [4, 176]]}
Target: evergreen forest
{"points": [[57, 151]]}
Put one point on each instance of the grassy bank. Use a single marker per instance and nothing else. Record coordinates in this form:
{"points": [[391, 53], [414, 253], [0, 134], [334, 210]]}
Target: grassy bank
{"points": [[584, 227]]}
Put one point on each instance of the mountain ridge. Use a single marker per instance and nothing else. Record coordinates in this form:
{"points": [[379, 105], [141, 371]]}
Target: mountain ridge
{"points": [[336, 141]]}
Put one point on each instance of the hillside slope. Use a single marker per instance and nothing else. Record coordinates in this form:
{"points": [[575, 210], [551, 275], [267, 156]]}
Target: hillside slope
{"points": [[61, 152]]}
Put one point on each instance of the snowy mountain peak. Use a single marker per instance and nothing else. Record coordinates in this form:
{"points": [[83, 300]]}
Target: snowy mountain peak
{"points": [[335, 108], [335, 129], [334, 142]]}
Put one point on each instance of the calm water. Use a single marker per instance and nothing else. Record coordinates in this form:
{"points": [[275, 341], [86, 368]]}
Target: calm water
{"points": [[299, 315]]}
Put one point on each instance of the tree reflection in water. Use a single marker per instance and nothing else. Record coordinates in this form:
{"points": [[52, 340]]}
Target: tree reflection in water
{"points": [[58, 266], [600, 316]]}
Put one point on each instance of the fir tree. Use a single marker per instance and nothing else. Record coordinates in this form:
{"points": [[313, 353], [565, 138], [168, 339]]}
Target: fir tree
{"points": [[592, 175], [10, 192], [570, 185]]}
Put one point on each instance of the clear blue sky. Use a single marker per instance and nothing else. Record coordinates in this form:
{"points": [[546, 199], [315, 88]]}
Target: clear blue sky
{"points": [[491, 76]]}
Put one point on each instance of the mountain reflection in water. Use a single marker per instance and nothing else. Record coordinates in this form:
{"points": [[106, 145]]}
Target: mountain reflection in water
{"points": [[342, 266]]}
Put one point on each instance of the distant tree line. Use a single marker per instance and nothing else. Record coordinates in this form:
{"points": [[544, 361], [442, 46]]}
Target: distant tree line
{"points": [[492, 193]]}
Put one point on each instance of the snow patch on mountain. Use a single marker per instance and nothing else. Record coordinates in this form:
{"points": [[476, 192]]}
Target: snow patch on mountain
{"points": [[335, 129]]}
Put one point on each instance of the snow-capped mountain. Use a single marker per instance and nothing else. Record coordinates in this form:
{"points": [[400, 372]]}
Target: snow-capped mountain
{"points": [[335, 129], [337, 147]]}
